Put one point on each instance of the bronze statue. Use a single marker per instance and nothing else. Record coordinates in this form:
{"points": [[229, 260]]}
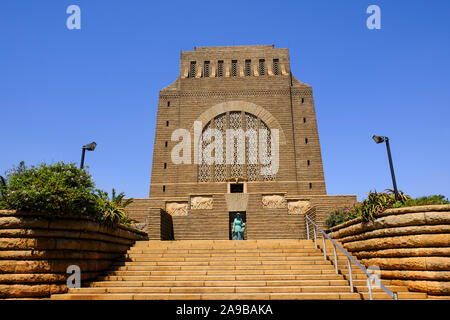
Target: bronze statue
{"points": [[238, 228]]}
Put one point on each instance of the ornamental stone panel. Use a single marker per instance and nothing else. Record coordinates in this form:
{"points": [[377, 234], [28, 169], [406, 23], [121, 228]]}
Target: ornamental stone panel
{"points": [[176, 208], [273, 201], [201, 202], [298, 206]]}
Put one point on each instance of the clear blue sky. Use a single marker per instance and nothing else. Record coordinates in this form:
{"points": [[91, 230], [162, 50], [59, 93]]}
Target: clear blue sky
{"points": [[60, 88]]}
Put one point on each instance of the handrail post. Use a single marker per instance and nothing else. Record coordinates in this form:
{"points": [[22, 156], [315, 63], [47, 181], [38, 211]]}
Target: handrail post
{"points": [[369, 285], [350, 277], [350, 259], [307, 227], [335, 260], [315, 237]]}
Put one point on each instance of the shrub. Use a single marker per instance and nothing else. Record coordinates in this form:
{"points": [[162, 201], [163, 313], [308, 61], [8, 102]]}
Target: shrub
{"points": [[113, 209], [3, 186], [339, 216], [57, 190], [377, 202], [422, 201]]}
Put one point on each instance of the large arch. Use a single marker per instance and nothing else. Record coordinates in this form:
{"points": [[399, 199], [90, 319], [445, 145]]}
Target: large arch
{"points": [[245, 106]]}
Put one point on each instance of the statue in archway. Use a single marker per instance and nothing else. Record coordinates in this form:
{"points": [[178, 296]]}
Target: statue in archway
{"points": [[238, 228]]}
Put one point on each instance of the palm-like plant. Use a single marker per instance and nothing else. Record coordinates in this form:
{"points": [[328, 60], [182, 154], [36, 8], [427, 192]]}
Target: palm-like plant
{"points": [[114, 208], [119, 199]]}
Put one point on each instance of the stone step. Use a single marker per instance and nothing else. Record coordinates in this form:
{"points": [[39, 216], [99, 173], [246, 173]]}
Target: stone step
{"points": [[317, 267], [212, 296], [250, 255], [401, 296], [225, 244], [179, 258], [199, 289], [312, 272], [234, 283], [220, 277], [364, 288], [221, 262], [295, 248], [144, 250]]}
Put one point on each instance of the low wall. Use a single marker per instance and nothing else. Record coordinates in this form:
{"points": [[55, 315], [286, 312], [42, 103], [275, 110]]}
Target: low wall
{"points": [[410, 245], [158, 225], [35, 251], [138, 209]]}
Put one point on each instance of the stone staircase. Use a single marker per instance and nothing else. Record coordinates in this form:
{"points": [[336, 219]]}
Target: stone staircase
{"points": [[224, 269]]}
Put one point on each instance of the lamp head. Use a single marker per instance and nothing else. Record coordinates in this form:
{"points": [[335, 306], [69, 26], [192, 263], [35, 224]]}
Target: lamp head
{"points": [[378, 139], [90, 147]]}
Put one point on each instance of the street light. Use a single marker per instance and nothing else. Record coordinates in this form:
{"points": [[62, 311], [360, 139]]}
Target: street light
{"points": [[381, 139], [89, 147]]}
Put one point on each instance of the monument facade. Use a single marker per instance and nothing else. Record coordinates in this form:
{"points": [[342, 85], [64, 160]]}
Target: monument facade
{"points": [[236, 132]]}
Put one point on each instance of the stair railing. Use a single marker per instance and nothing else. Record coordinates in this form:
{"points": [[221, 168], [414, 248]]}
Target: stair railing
{"points": [[350, 259]]}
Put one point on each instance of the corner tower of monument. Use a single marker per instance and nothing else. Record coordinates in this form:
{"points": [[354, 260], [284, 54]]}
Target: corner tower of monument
{"points": [[248, 88]]}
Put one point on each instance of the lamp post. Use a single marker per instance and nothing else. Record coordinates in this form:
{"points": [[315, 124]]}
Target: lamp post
{"points": [[381, 139], [89, 147]]}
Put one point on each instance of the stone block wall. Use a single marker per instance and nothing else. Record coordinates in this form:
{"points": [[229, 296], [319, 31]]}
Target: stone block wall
{"points": [[35, 251], [159, 225], [410, 245]]}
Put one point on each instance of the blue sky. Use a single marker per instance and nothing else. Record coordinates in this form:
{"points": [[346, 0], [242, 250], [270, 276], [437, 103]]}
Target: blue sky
{"points": [[60, 88]]}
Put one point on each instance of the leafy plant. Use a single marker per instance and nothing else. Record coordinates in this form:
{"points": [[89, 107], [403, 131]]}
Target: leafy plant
{"points": [[339, 216], [423, 201], [114, 209], [3, 186], [60, 189], [377, 202]]}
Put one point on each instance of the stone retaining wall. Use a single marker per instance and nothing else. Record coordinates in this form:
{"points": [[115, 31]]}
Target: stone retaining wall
{"points": [[36, 251], [410, 245]]}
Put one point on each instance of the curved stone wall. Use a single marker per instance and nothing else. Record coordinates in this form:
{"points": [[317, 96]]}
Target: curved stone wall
{"points": [[410, 245], [35, 251]]}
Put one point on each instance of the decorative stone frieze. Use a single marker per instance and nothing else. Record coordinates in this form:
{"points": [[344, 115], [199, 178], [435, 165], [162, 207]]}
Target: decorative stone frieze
{"points": [[201, 202], [298, 206], [177, 208], [273, 201]]}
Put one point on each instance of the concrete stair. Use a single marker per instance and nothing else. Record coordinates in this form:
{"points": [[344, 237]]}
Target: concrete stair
{"points": [[224, 269]]}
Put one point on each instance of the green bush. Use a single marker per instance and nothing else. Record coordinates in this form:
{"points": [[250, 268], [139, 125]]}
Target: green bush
{"points": [[2, 191], [377, 202], [339, 216], [58, 190], [423, 201]]}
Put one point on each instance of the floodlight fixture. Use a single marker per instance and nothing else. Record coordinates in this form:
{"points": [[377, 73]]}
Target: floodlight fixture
{"points": [[381, 139], [89, 147]]}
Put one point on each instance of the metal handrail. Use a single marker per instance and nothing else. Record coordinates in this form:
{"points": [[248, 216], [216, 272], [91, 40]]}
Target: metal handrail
{"points": [[350, 259]]}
